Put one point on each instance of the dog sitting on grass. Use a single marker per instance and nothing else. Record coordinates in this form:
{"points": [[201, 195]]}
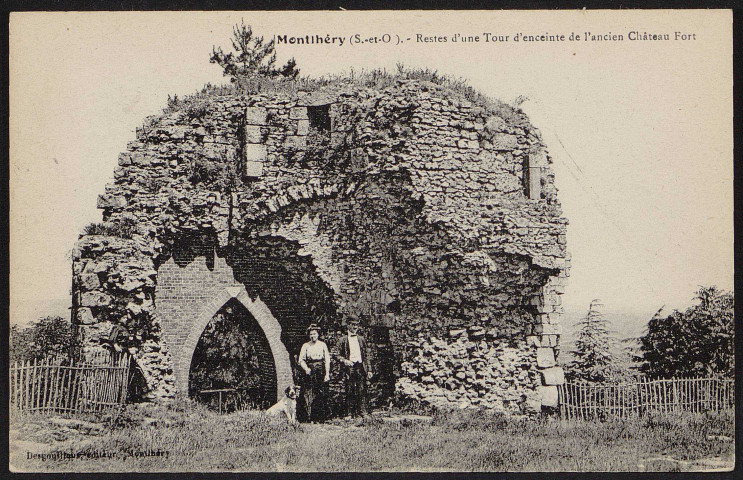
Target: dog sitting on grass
{"points": [[286, 406]]}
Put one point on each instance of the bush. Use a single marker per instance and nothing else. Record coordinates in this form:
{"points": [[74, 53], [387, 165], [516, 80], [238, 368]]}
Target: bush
{"points": [[45, 338], [697, 342], [196, 110], [123, 227]]}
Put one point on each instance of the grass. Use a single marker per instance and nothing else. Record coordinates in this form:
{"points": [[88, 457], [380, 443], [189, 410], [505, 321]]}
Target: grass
{"points": [[197, 439], [193, 105]]}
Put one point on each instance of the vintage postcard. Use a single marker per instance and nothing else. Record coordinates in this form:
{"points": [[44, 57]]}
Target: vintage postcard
{"points": [[371, 241]]}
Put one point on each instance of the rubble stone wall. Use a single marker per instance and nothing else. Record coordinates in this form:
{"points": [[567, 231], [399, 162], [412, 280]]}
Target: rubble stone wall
{"points": [[433, 216]]}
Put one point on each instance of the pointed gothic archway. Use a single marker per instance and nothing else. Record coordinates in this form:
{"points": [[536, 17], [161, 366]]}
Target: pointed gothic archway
{"points": [[266, 321]]}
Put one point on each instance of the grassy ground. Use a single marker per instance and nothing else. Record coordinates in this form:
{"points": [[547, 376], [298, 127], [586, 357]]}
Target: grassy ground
{"points": [[185, 437]]}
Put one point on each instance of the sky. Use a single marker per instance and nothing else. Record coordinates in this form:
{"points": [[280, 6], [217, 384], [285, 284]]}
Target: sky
{"points": [[640, 132]]}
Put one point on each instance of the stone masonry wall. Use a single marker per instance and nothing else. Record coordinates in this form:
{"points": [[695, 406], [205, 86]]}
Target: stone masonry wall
{"points": [[434, 216]]}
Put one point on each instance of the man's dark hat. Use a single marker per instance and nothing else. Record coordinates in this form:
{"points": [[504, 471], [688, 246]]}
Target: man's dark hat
{"points": [[352, 319]]}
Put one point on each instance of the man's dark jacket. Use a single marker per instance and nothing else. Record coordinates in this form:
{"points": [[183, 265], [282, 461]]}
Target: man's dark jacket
{"points": [[345, 351]]}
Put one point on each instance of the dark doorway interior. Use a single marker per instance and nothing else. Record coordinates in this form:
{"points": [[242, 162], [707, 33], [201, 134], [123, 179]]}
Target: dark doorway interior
{"points": [[232, 367]]}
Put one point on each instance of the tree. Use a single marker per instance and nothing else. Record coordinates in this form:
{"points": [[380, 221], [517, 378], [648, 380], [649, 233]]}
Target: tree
{"points": [[251, 57], [47, 337], [226, 356], [593, 359], [696, 342]]}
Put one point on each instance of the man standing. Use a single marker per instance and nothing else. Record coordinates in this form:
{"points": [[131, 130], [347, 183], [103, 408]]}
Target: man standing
{"points": [[355, 358]]}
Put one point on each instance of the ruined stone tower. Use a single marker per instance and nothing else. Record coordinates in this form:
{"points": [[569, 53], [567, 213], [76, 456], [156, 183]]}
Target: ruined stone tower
{"points": [[426, 210]]}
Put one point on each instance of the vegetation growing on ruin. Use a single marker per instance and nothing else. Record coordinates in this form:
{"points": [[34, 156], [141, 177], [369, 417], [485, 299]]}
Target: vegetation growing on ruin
{"points": [[376, 79], [251, 67], [251, 56], [124, 227]]}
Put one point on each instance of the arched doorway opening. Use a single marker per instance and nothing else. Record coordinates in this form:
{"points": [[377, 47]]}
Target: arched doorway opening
{"points": [[232, 365]]}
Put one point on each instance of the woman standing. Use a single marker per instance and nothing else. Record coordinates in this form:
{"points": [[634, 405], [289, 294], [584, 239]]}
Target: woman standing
{"points": [[314, 359]]}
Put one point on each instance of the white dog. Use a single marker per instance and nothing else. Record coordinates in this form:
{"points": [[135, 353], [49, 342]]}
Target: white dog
{"points": [[286, 406]]}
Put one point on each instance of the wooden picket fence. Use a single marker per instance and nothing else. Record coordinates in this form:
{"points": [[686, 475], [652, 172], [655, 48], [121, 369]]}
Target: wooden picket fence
{"points": [[92, 385], [698, 395]]}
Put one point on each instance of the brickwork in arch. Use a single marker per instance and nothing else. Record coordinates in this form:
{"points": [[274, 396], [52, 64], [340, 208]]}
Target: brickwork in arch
{"points": [[189, 297]]}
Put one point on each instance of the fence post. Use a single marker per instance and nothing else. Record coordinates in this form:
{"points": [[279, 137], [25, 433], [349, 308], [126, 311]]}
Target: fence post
{"points": [[77, 379], [37, 383], [14, 384], [730, 387], [647, 394], [45, 379], [568, 400], [52, 389], [594, 394], [32, 396], [11, 387], [573, 402], [656, 395], [55, 388], [107, 384], [21, 386], [123, 379], [45, 384], [125, 382], [596, 400], [710, 398], [31, 372], [27, 384], [67, 382], [638, 389], [39, 396], [608, 393]]}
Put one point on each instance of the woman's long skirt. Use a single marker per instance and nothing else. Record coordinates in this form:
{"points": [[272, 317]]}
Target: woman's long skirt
{"points": [[313, 391]]}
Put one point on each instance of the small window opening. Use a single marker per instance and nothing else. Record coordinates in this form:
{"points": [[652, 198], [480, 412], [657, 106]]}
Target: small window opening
{"points": [[319, 117], [394, 307]]}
